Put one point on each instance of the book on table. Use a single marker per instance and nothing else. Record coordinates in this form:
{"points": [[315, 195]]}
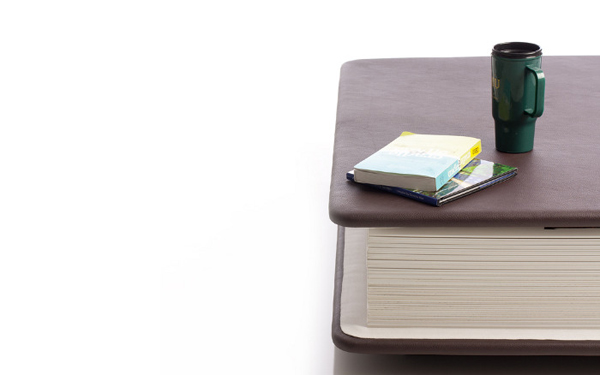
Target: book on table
{"points": [[475, 176], [418, 161]]}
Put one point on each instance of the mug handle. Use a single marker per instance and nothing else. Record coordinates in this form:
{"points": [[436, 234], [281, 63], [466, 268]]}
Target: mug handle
{"points": [[540, 88]]}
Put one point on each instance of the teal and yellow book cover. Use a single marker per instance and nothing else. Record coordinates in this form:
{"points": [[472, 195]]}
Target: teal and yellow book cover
{"points": [[418, 161]]}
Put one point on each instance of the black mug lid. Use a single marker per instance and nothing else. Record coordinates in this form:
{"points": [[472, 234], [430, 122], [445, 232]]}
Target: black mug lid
{"points": [[517, 50]]}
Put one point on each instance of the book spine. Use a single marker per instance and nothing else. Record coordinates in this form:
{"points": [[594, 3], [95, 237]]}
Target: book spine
{"points": [[457, 166], [401, 192], [447, 174], [451, 171], [470, 155]]}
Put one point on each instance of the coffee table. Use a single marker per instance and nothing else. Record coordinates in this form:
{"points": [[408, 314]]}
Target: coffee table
{"points": [[557, 184]]}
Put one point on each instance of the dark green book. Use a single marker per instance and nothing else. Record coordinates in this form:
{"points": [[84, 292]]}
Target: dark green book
{"points": [[475, 176]]}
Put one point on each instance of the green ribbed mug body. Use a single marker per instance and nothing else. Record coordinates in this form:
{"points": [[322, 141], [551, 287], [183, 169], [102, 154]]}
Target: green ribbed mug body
{"points": [[518, 88]]}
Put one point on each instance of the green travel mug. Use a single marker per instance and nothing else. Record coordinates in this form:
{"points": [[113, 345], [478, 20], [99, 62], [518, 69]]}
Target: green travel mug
{"points": [[518, 86]]}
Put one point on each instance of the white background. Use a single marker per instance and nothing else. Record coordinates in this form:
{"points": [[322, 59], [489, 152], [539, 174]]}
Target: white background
{"points": [[164, 176]]}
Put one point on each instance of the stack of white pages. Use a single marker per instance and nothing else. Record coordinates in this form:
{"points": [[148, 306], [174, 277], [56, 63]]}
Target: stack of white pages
{"points": [[506, 278]]}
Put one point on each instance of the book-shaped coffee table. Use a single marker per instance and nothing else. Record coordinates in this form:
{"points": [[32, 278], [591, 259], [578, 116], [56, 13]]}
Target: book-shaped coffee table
{"points": [[556, 187]]}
